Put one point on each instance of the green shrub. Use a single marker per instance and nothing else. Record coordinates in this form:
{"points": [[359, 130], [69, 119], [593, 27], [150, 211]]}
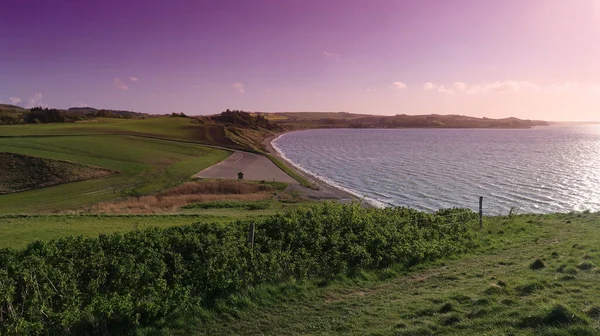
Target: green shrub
{"points": [[115, 283], [247, 205]]}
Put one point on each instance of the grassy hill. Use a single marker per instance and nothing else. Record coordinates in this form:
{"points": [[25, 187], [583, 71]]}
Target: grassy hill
{"points": [[175, 128], [11, 108], [10, 114], [23, 172], [146, 165]]}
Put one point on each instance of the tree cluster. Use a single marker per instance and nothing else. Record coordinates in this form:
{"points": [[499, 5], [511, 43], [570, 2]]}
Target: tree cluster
{"points": [[244, 119]]}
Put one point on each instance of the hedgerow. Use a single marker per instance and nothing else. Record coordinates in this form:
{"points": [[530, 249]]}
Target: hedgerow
{"points": [[116, 283], [247, 205]]}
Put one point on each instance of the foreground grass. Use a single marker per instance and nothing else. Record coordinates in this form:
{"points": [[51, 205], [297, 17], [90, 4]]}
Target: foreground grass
{"points": [[119, 284], [145, 166], [492, 292], [20, 230]]}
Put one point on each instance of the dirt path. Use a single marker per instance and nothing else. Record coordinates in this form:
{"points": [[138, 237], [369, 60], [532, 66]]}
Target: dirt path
{"points": [[254, 167]]}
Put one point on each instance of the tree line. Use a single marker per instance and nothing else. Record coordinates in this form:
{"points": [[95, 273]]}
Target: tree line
{"points": [[41, 115]]}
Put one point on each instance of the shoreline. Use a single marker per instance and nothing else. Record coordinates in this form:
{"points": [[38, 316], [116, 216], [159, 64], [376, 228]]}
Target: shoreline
{"points": [[326, 190]]}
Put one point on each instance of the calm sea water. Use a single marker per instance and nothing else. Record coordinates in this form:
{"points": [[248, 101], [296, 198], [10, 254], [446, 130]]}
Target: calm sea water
{"points": [[541, 170]]}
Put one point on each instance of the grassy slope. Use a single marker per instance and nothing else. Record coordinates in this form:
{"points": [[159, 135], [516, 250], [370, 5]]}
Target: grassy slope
{"points": [[162, 127], [18, 231], [493, 292], [146, 165], [23, 172]]}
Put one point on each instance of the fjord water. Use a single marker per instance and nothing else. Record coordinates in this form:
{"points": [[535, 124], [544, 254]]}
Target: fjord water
{"points": [[538, 170]]}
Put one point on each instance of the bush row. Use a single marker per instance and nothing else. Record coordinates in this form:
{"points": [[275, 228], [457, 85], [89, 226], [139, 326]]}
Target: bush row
{"points": [[115, 283], [247, 205]]}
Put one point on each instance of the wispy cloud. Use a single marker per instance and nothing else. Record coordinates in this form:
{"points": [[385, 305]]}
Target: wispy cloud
{"points": [[459, 86], [567, 86], [368, 90], [486, 87], [439, 88], [14, 100], [442, 89], [498, 86], [239, 87], [133, 79], [36, 100], [119, 85], [399, 85], [332, 56]]}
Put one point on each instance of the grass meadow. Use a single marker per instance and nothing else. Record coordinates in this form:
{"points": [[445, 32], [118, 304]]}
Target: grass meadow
{"points": [[175, 128], [20, 230], [146, 165]]}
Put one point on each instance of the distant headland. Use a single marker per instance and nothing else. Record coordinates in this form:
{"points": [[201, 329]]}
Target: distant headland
{"points": [[12, 114]]}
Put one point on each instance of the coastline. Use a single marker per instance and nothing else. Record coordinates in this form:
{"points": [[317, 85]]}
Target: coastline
{"points": [[326, 190]]}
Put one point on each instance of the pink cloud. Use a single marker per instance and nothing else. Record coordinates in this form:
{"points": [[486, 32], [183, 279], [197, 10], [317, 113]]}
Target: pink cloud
{"points": [[36, 100], [442, 89], [133, 79], [332, 56], [239, 87], [439, 88], [14, 100], [399, 85], [498, 86], [459, 86], [119, 85]]}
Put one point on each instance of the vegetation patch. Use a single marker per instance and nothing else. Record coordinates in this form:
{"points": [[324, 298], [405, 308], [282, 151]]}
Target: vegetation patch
{"points": [[24, 172], [415, 297], [529, 288], [247, 205], [586, 265], [537, 264], [206, 194], [118, 283], [558, 315]]}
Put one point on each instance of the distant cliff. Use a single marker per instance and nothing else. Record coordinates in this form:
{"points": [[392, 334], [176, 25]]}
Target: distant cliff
{"points": [[349, 120]]}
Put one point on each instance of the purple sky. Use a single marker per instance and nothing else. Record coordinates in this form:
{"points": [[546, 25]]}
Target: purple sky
{"points": [[496, 58]]}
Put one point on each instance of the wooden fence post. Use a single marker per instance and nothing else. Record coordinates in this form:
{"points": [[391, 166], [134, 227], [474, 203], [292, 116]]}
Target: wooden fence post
{"points": [[480, 211], [251, 235]]}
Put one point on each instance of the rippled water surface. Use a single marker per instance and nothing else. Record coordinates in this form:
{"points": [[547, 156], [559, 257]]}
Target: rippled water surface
{"points": [[545, 169]]}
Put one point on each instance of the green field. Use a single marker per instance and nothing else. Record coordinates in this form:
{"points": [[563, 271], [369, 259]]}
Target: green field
{"points": [[19, 230], [24, 172], [178, 128], [146, 165], [494, 291]]}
